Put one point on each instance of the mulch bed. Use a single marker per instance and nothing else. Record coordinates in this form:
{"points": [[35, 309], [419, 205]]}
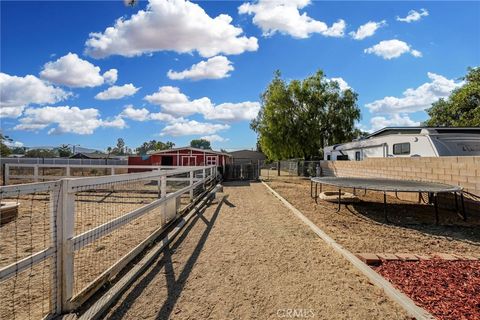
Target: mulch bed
{"points": [[446, 289]]}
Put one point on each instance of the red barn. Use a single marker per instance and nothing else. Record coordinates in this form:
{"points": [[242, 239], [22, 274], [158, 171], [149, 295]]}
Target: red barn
{"points": [[186, 156]]}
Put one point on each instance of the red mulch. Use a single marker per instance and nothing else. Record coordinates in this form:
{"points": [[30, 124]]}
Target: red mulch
{"points": [[446, 289]]}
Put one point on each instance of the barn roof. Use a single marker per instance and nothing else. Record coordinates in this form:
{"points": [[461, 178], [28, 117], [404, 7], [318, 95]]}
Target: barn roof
{"points": [[189, 148]]}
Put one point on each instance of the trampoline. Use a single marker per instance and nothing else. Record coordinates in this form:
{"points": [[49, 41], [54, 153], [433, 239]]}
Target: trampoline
{"points": [[390, 185]]}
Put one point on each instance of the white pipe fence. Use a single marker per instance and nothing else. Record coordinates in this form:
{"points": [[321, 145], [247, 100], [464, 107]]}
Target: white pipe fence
{"points": [[91, 214]]}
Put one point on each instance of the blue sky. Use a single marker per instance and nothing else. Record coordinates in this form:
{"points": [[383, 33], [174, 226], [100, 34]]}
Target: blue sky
{"points": [[409, 55]]}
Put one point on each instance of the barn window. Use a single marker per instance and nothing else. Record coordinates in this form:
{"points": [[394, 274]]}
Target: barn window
{"points": [[401, 148], [211, 160]]}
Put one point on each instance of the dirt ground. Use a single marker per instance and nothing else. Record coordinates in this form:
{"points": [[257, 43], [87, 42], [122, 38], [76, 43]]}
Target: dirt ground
{"points": [[360, 227], [249, 257]]}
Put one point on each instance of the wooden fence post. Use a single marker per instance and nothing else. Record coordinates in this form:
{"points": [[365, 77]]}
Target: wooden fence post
{"points": [[191, 182], [64, 260], [6, 174], [35, 173], [163, 194]]}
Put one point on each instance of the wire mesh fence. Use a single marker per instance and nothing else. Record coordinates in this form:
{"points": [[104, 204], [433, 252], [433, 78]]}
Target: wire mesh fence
{"points": [[70, 236], [27, 251]]}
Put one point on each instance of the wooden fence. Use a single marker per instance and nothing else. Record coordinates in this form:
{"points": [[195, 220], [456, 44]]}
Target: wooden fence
{"points": [[97, 225]]}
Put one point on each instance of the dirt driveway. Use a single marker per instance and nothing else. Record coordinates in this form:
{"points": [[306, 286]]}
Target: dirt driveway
{"points": [[248, 257]]}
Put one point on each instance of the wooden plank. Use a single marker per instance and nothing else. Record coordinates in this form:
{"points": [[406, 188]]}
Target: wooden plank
{"points": [[102, 304], [12, 269], [27, 188], [67, 217], [407, 304]]}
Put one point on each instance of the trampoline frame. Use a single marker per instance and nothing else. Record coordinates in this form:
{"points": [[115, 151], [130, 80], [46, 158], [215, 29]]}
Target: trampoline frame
{"points": [[454, 189]]}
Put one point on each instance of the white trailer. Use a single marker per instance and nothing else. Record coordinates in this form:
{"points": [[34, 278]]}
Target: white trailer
{"points": [[409, 142]]}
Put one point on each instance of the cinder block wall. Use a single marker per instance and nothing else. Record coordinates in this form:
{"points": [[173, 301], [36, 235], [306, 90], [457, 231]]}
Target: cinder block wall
{"points": [[462, 171]]}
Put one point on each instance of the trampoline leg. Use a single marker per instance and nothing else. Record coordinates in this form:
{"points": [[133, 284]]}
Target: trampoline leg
{"points": [[385, 206], [435, 204], [316, 192], [321, 186], [365, 193], [464, 214], [354, 191], [339, 198], [311, 189], [456, 201]]}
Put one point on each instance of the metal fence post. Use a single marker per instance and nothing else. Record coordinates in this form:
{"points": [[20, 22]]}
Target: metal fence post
{"points": [[64, 259]]}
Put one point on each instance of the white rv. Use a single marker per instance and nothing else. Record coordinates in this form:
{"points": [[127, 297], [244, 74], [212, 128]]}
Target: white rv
{"points": [[409, 142]]}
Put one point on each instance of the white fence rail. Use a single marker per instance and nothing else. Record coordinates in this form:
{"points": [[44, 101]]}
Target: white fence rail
{"points": [[45, 172], [97, 226]]}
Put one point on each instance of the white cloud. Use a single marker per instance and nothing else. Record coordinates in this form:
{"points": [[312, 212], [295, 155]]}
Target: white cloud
{"points": [[135, 114], [18, 92], [175, 25], [72, 71], [395, 120], [13, 144], [413, 15], [65, 119], [416, 99], [144, 115], [389, 49], [174, 102], [110, 76], [367, 30], [192, 127], [117, 92], [283, 16], [214, 138], [341, 83], [247, 110], [214, 68]]}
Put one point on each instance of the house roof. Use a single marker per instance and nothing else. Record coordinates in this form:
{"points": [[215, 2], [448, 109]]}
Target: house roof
{"points": [[248, 154], [188, 148], [92, 155]]}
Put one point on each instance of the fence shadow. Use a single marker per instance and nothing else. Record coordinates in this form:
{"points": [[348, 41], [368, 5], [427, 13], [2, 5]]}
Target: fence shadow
{"points": [[174, 286], [420, 217]]}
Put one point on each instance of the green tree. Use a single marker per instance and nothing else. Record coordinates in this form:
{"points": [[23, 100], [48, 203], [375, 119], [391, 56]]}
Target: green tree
{"points": [[19, 150], [461, 108], [64, 151], [4, 149], [119, 150], [200, 143], [297, 119], [153, 145], [40, 153]]}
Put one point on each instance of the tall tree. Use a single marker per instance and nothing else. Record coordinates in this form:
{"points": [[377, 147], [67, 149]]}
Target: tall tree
{"points": [[4, 149], [153, 145], [297, 119], [200, 143], [64, 151], [462, 107]]}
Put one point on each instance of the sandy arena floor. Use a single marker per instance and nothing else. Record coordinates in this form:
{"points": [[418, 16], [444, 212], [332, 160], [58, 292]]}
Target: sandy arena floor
{"points": [[361, 227], [251, 258]]}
